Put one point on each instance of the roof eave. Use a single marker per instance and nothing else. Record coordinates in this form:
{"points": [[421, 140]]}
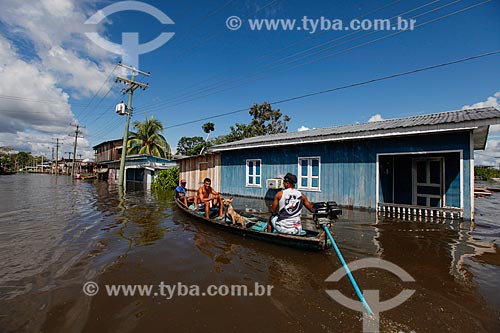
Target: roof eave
{"points": [[348, 137]]}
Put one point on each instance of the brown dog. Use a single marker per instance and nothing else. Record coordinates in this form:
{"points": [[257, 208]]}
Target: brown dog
{"points": [[233, 215]]}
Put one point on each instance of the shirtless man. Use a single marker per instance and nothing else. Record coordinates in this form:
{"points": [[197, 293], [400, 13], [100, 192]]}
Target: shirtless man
{"points": [[204, 197]]}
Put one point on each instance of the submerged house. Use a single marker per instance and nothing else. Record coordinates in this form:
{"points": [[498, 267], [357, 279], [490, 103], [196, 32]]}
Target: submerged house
{"points": [[138, 168], [420, 165]]}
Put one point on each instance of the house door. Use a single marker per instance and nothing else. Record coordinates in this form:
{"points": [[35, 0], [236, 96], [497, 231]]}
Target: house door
{"points": [[428, 180]]}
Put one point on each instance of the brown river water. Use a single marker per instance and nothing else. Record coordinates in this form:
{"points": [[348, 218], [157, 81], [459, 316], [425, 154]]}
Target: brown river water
{"points": [[56, 235]]}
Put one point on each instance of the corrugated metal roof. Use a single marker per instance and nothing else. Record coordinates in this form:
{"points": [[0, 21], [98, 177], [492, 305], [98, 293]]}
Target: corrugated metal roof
{"points": [[110, 141], [443, 121]]}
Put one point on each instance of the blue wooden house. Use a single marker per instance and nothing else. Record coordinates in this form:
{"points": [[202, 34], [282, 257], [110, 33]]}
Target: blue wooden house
{"points": [[417, 165]]}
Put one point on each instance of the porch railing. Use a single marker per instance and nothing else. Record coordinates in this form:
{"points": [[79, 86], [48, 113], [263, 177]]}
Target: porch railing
{"points": [[418, 213]]}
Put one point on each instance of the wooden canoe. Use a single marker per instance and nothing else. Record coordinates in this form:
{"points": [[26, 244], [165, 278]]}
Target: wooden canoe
{"points": [[256, 228]]}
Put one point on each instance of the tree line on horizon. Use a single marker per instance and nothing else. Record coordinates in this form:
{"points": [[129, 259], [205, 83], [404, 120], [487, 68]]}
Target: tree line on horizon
{"points": [[11, 161], [146, 137]]}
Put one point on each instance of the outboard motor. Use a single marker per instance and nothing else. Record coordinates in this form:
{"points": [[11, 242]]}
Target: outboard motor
{"points": [[333, 210], [325, 212]]}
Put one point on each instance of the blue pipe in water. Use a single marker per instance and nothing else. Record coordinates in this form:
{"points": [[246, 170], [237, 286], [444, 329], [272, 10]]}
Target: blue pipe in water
{"points": [[349, 274]]}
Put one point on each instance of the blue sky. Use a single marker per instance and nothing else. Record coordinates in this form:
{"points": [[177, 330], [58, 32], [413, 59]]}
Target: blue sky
{"points": [[53, 75]]}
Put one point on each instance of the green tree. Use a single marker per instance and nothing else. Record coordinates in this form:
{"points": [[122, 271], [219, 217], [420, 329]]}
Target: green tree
{"points": [[207, 128], [486, 173], [5, 159], [147, 139], [265, 121], [166, 179], [190, 146], [23, 159]]}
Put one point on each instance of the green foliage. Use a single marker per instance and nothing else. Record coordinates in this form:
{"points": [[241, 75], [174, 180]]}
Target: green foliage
{"points": [[166, 179], [208, 127], [190, 146], [486, 173], [265, 121], [23, 158], [11, 161], [147, 139]]}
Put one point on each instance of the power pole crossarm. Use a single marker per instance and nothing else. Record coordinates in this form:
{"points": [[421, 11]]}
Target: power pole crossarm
{"points": [[132, 84]]}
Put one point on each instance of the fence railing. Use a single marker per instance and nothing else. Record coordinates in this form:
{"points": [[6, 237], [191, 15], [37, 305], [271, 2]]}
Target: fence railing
{"points": [[418, 213]]}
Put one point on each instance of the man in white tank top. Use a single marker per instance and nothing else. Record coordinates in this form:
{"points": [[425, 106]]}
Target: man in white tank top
{"points": [[288, 206]]}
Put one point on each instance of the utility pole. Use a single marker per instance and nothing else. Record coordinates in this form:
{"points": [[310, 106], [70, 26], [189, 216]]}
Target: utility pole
{"points": [[77, 131], [66, 168], [132, 85], [57, 155], [52, 160], [80, 164]]}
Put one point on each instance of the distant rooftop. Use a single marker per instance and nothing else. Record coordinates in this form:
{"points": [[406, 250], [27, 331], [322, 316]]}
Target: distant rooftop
{"points": [[117, 141], [469, 119]]}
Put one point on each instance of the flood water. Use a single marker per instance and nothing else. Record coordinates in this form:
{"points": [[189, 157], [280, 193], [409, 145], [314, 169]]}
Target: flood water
{"points": [[56, 235]]}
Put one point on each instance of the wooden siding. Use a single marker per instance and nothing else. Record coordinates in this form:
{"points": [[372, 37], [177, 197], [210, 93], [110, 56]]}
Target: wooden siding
{"points": [[189, 169], [108, 151], [348, 169]]}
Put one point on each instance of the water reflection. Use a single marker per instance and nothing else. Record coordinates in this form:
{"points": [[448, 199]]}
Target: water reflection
{"points": [[54, 236], [438, 256]]}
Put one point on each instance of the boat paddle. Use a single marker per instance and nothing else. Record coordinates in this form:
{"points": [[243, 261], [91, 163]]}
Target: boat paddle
{"points": [[349, 274]]}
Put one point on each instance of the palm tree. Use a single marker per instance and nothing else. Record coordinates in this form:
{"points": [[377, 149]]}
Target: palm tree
{"points": [[147, 139], [207, 128]]}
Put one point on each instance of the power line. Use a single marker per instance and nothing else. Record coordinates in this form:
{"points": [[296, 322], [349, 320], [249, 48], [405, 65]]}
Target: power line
{"points": [[198, 44], [95, 107], [264, 68], [34, 100], [97, 92], [326, 31], [185, 91], [328, 56], [183, 55], [245, 80], [347, 86]]}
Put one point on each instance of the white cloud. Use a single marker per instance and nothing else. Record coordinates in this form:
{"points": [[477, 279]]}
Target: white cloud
{"points": [[376, 117], [55, 29], [303, 128], [44, 59], [490, 101], [490, 156], [492, 150]]}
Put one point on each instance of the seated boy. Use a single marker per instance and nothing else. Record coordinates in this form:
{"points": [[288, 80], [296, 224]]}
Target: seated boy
{"points": [[181, 194]]}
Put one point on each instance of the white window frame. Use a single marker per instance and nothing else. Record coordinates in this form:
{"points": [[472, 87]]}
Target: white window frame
{"points": [[309, 174], [254, 174]]}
